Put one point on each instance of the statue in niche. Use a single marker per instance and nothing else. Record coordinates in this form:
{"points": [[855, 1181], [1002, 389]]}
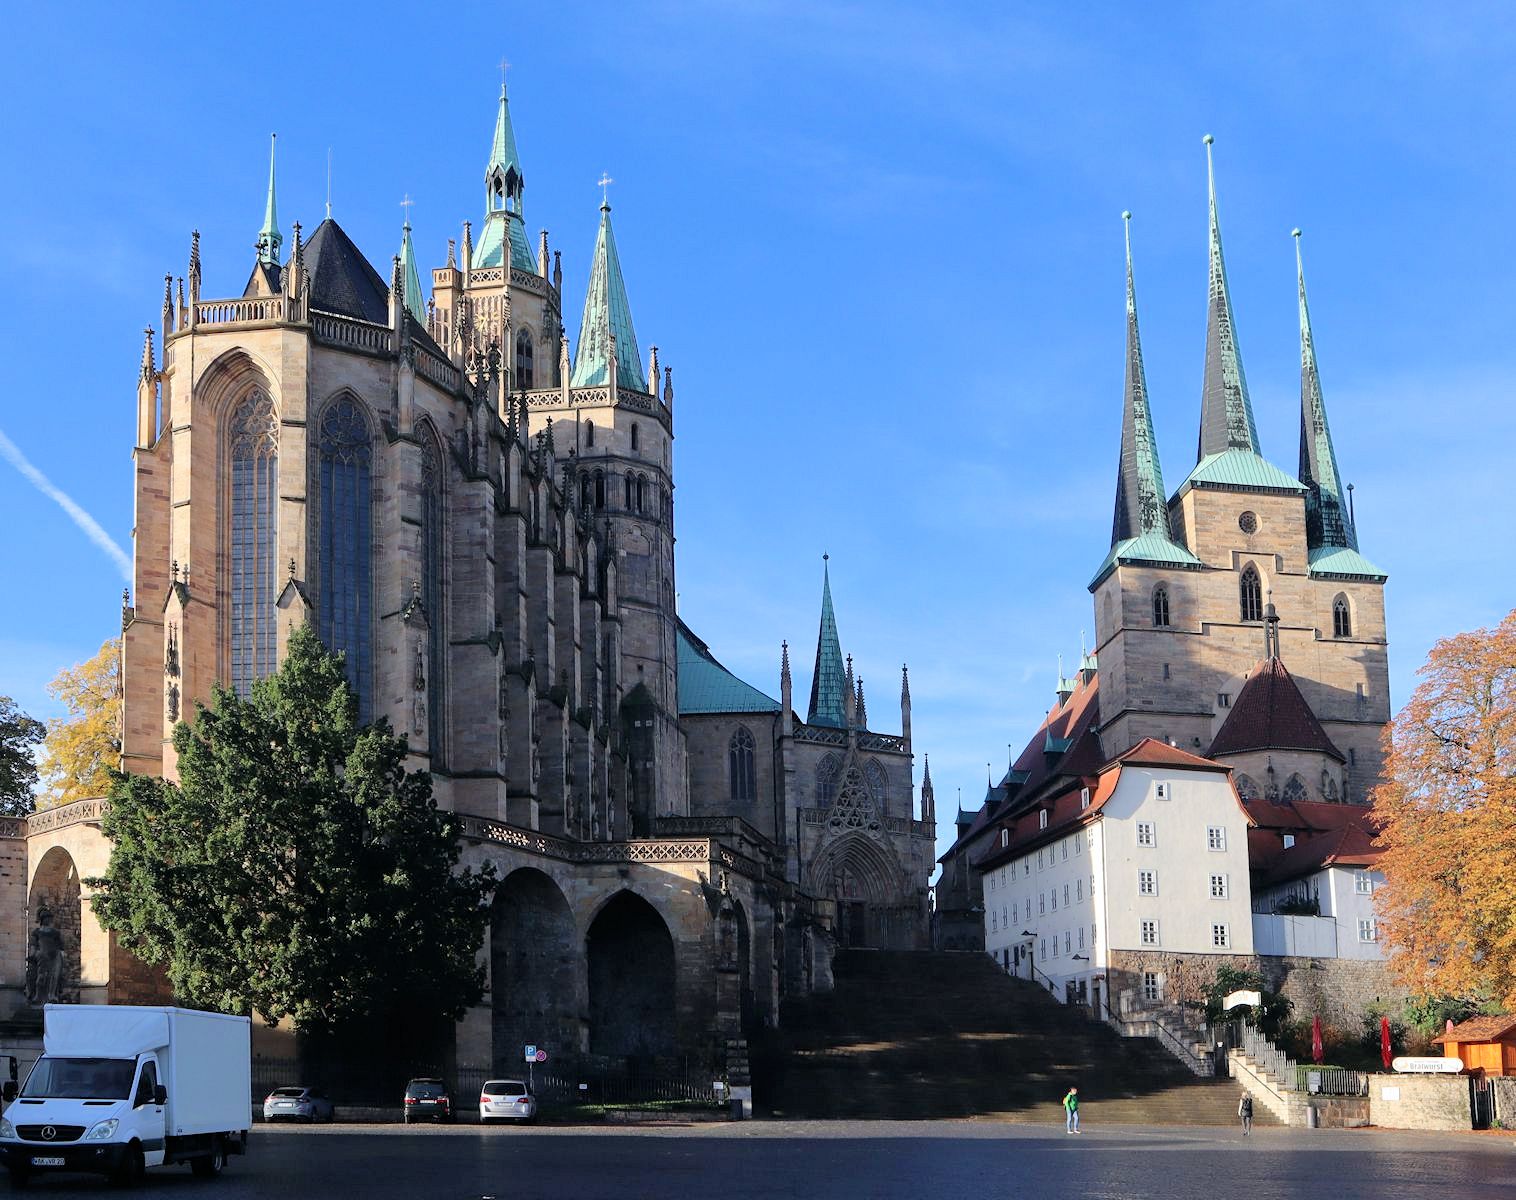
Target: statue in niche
{"points": [[44, 962]]}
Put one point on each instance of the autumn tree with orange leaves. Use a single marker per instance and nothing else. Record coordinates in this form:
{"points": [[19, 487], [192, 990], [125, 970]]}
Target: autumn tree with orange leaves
{"points": [[1447, 812]]}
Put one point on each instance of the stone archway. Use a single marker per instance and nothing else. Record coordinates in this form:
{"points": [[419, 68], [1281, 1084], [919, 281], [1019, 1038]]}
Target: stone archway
{"points": [[631, 980], [56, 890], [861, 877], [533, 970]]}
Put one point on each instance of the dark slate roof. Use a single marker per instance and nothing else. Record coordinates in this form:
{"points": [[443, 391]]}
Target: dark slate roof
{"points": [[1271, 714], [705, 686], [266, 280], [342, 280]]}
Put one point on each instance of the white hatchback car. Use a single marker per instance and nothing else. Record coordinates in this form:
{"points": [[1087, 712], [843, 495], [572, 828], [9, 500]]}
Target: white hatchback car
{"points": [[506, 1100]]}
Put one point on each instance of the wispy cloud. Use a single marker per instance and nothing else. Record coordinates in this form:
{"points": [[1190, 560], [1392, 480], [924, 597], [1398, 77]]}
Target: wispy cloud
{"points": [[88, 525]]}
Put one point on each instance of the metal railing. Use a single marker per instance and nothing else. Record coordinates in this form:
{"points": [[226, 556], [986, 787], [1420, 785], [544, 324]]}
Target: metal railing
{"points": [[1330, 1081], [1274, 1061]]}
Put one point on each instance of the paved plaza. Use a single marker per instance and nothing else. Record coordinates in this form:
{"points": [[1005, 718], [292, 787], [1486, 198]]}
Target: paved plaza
{"points": [[909, 1161]]}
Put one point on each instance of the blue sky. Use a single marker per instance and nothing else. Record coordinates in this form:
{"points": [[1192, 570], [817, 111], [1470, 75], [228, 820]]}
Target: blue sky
{"points": [[879, 243]]}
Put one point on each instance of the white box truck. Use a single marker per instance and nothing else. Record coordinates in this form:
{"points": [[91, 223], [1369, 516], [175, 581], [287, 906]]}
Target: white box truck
{"points": [[120, 1087]]}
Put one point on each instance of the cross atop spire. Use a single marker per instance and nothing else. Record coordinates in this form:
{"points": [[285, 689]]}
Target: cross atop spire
{"points": [[269, 237], [604, 184], [1328, 521], [1141, 502], [1226, 413]]}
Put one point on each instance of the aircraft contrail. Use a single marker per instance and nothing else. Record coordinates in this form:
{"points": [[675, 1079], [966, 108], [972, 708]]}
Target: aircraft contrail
{"points": [[90, 527]]}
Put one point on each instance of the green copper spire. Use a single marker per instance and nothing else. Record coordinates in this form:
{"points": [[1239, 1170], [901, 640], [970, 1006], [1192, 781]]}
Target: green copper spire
{"points": [[1226, 413], [269, 237], [607, 312], [411, 278], [1141, 502], [504, 188], [829, 679], [1327, 521]]}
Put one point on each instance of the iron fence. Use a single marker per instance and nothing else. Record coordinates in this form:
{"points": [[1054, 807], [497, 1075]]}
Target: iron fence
{"points": [[1273, 1060], [1330, 1081]]}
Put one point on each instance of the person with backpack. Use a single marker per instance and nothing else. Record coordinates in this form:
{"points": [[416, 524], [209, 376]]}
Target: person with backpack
{"points": [[1071, 1111], [1245, 1111]]}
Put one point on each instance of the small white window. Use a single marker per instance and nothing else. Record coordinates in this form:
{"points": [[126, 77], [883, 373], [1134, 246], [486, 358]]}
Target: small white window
{"points": [[993, 880], [1004, 920], [1039, 860], [1065, 895], [1092, 839], [1150, 933], [1092, 887], [1092, 934], [1016, 912], [1218, 886], [1152, 987], [1161, 791], [1220, 937], [1223, 699], [1215, 837], [1147, 883], [1079, 891], [1005, 838], [1081, 937], [1053, 899], [1362, 884], [1289, 840], [1084, 797], [1366, 931], [1026, 867], [1042, 904], [1065, 844], [1068, 943], [994, 926], [1042, 818], [1145, 834], [1078, 844], [1044, 950], [1055, 945]]}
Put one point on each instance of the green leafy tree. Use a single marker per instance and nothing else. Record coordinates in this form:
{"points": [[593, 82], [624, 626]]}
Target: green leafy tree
{"points": [[19, 733], [297, 869]]}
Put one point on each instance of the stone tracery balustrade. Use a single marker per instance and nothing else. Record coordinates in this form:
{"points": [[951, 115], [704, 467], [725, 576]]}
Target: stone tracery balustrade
{"points": [[79, 812], [653, 850], [439, 371], [240, 311], [347, 331]]}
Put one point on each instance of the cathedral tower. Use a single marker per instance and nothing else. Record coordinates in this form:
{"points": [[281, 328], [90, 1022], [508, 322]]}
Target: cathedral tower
{"points": [[1184, 598]]}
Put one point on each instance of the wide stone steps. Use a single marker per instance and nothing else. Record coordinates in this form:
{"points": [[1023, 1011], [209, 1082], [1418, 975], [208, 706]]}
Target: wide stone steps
{"points": [[933, 1034]]}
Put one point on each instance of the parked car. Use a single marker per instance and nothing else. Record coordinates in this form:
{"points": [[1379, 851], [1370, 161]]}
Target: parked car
{"points": [[428, 1099], [506, 1100], [298, 1104]]}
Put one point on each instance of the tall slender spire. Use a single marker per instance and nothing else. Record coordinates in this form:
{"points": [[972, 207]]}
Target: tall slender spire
{"points": [[503, 241], [607, 319], [1141, 502], [1226, 413], [415, 301], [829, 679], [269, 237], [1327, 519]]}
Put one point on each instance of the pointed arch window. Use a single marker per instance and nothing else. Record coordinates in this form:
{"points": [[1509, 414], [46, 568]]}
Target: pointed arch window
{"points": [[344, 542], [599, 490], [433, 539], [1251, 595], [253, 450], [1160, 606], [589, 434], [636, 437], [826, 779], [641, 493], [525, 376], [741, 765], [627, 490], [1342, 618]]}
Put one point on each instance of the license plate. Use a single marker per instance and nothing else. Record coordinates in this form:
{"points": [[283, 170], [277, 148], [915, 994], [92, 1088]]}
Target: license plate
{"points": [[47, 1162]]}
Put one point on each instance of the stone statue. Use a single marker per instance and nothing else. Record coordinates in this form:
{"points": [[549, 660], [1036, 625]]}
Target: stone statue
{"points": [[44, 962]]}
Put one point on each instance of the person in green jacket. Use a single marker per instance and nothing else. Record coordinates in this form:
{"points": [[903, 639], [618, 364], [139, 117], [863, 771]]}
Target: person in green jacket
{"points": [[1071, 1111]]}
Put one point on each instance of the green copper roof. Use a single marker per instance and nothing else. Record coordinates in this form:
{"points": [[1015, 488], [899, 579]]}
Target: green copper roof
{"points": [[414, 300], [1327, 522], [490, 252], [504, 187], [607, 312], [1141, 502], [1240, 469], [705, 686], [503, 149], [1151, 550], [269, 237], [829, 679], [1226, 413], [1344, 562]]}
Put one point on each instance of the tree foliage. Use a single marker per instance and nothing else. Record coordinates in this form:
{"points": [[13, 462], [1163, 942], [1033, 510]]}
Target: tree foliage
{"points": [[1269, 1016], [297, 869], [19, 735], [83, 749], [1447, 814]]}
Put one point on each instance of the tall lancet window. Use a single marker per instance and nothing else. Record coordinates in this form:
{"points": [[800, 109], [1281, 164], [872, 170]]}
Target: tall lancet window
{"points": [[525, 378], [1251, 596], [433, 533], [344, 542], [1160, 606], [253, 445], [741, 765]]}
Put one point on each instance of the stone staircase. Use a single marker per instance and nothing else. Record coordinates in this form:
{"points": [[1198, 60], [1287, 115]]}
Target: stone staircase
{"points": [[924, 1034]]}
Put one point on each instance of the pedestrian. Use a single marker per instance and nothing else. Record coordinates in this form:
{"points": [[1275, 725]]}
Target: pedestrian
{"points": [[1071, 1111], [1245, 1111]]}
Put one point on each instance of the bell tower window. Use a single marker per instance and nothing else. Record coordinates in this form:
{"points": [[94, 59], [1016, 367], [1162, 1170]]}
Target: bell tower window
{"points": [[1251, 595], [741, 766], [1161, 606], [525, 378], [1342, 618]]}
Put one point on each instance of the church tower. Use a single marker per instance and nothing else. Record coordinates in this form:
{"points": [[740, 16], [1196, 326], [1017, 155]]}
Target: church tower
{"points": [[1246, 566]]}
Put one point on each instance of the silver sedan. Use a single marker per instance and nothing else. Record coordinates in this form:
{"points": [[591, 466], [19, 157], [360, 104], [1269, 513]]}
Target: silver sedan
{"points": [[506, 1100], [297, 1104]]}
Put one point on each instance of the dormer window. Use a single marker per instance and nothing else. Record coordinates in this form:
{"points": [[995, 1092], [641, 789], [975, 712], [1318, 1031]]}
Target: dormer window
{"points": [[1005, 838], [1042, 819], [1084, 797]]}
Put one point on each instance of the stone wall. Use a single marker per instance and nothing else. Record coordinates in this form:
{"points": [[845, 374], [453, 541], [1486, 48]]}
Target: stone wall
{"points": [[1505, 1100], [1185, 976], [1420, 1102], [1338, 990]]}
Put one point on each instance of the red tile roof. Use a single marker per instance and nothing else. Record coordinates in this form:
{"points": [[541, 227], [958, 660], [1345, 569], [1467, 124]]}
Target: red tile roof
{"points": [[1150, 752], [1271, 714], [1326, 835], [1479, 1029]]}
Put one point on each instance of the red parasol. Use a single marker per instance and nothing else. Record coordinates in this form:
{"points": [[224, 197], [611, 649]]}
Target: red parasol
{"points": [[1384, 1042], [1318, 1051]]}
